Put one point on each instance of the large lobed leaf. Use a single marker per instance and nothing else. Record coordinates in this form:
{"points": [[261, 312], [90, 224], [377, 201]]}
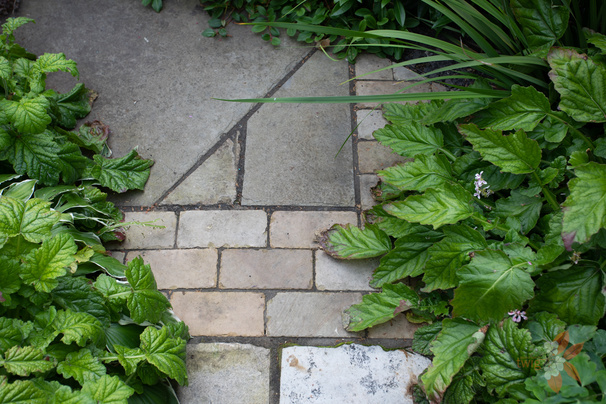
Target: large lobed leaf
{"points": [[418, 175], [411, 138], [351, 242], [33, 219], [165, 353], [28, 115], [82, 366], [23, 361], [543, 23], [121, 174], [145, 303]]}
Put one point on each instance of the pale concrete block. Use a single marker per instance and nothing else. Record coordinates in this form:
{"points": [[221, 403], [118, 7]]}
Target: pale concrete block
{"points": [[368, 122], [150, 237], [221, 373], [266, 269], [399, 327], [366, 63], [348, 374], [373, 156], [367, 182], [401, 73], [235, 314], [306, 314], [299, 229], [189, 269], [334, 274], [222, 228], [119, 255], [387, 87]]}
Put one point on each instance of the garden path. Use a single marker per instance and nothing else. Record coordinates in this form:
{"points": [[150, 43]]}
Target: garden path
{"points": [[241, 190]]}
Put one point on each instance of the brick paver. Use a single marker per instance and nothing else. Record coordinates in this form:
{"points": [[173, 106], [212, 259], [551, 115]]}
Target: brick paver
{"points": [[334, 274], [289, 229], [150, 237], [373, 156]]}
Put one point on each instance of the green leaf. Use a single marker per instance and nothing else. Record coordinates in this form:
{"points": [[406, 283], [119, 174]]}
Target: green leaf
{"points": [[455, 109], [448, 255], [10, 333], [44, 265], [129, 358], [542, 22], [418, 175], [466, 384], [585, 207], [77, 327], [28, 115], [20, 392], [23, 361], [544, 327], [82, 366], [524, 109], [581, 83], [146, 303], [509, 356], [410, 139], [514, 153], [10, 269], [377, 308], [526, 209], [425, 336], [33, 220], [165, 353], [209, 33], [551, 129], [403, 114], [12, 24], [77, 294], [457, 341], [490, 286], [55, 62], [122, 174], [448, 205], [351, 242], [108, 390], [115, 293], [596, 39], [71, 106], [574, 295], [406, 259]]}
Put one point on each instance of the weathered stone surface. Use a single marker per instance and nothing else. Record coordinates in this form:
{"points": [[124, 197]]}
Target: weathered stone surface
{"points": [[188, 269], [292, 160], [213, 182], [334, 274], [266, 269], [303, 314], [221, 313], [368, 122], [222, 373], [366, 63], [402, 73], [399, 327], [348, 374], [367, 182], [150, 237], [373, 156], [386, 87], [222, 228], [289, 229]]}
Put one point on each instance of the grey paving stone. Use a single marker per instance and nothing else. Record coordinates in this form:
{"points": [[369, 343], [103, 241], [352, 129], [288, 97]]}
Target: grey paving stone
{"points": [[373, 156], [221, 373], [399, 327], [150, 237], [288, 229], [309, 314], [188, 269], [386, 87], [119, 255], [366, 63], [334, 274], [213, 182], [348, 374], [402, 73], [235, 314], [369, 121], [266, 269], [367, 182], [222, 228], [156, 75], [291, 149]]}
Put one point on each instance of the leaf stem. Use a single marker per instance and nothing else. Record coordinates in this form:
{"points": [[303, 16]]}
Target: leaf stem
{"points": [[548, 195], [448, 154]]}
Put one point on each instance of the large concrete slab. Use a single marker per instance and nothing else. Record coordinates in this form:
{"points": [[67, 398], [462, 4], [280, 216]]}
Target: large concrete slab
{"points": [[156, 75], [348, 374], [291, 149], [226, 374]]}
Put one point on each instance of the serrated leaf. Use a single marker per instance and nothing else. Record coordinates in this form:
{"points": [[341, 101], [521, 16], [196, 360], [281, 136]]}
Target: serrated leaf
{"points": [[402, 114], [585, 207], [9, 273], [129, 358], [544, 327], [55, 62], [122, 174], [543, 23], [165, 353], [516, 153], [524, 109], [574, 295], [69, 107], [146, 303], [115, 293], [457, 341], [465, 384], [391, 225], [411, 139], [108, 390], [12, 24], [418, 175], [551, 130], [509, 356], [524, 208], [425, 336], [595, 38], [23, 361], [44, 265], [448, 255], [448, 205], [77, 294], [377, 308], [82, 366], [455, 109], [581, 83], [407, 259], [77, 327], [490, 286], [10, 333], [20, 392], [28, 115], [351, 242]]}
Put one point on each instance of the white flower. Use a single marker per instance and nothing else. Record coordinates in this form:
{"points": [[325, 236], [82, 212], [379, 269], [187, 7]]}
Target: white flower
{"points": [[481, 186], [518, 315]]}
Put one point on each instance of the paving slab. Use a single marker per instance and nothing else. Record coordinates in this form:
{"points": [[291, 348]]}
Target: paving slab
{"points": [[158, 233], [368, 122], [398, 327], [334, 274], [223, 373], [367, 182], [156, 75], [367, 63], [293, 229], [348, 374], [292, 150], [373, 156]]}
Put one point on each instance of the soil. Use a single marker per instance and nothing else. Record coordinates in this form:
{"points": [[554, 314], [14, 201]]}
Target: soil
{"points": [[7, 7]]}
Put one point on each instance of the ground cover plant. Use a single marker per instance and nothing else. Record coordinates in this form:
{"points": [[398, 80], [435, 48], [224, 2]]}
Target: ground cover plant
{"points": [[76, 324]]}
